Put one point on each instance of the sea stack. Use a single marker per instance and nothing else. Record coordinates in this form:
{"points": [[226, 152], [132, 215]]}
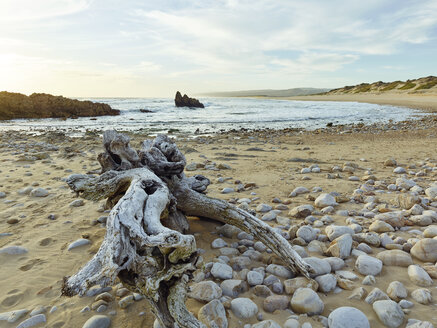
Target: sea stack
{"points": [[186, 101]]}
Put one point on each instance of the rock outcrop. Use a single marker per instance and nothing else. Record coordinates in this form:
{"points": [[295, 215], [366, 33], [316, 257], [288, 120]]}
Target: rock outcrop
{"points": [[186, 101], [42, 105]]}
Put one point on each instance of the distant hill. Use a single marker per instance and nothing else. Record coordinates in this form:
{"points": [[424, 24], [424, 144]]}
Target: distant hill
{"points": [[421, 85], [268, 93]]}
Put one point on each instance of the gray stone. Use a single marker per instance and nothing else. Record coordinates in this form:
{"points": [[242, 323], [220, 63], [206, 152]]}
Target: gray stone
{"points": [[13, 250], [263, 208], [320, 266], [13, 316], [301, 211], [227, 190], [341, 246], [327, 282], [78, 243], [397, 291], [218, 243], [233, 287], [425, 250], [422, 296], [376, 295], [254, 278], [221, 271], [406, 304], [244, 308], [389, 313], [368, 265], [77, 203], [419, 276], [266, 324], [205, 291], [395, 257], [213, 315], [307, 233], [280, 271], [97, 321], [347, 317], [33, 321], [325, 200], [334, 232], [291, 323], [306, 300], [276, 302], [39, 192]]}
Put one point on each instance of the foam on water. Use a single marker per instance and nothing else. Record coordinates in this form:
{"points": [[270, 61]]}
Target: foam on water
{"points": [[219, 114]]}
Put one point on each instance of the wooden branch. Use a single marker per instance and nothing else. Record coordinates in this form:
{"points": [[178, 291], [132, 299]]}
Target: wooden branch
{"points": [[144, 245]]}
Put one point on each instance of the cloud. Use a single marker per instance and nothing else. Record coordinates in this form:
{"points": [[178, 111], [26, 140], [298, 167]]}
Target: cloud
{"points": [[25, 10]]}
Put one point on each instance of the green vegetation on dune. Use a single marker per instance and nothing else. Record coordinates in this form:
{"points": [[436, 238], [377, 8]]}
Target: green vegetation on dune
{"points": [[428, 85], [408, 85], [364, 87], [391, 86]]}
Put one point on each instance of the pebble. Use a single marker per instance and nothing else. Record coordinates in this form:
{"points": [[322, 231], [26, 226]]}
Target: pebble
{"points": [[324, 200], [33, 321], [13, 316], [320, 266], [327, 282], [276, 302], [291, 323], [213, 314], [334, 231], [13, 250], [221, 271], [228, 190], [266, 324], [306, 300], [419, 276], [307, 233], [39, 192], [368, 265], [280, 271], [397, 291], [244, 308], [422, 296], [347, 317], [263, 208], [126, 301], [389, 313], [395, 258], [254, 278], [301, 211], [205, 291], [425, 250], [78, 243], [233, 287], [97, 321]]}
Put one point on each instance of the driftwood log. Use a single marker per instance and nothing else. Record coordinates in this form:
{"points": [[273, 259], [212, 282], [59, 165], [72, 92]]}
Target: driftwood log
{"points": [[145, 245]]}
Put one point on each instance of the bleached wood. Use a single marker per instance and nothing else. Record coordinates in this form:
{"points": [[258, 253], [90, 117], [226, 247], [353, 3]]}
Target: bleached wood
{"points": [[144, 245]]}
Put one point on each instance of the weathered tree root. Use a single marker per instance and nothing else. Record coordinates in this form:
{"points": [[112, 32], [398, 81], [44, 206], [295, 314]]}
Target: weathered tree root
{"points": [[144, 245]]}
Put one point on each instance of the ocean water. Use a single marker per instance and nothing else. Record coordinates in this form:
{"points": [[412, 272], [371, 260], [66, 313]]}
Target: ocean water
{"points": [[219, 114]]}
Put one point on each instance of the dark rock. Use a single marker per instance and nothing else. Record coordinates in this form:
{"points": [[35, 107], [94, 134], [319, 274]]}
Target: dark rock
{"points": [[42, 105], [146, 111], [186, 101]]}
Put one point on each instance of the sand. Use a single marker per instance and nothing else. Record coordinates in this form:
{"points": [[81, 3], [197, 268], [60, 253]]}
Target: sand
{"points": [[34, 279], [426, 101]]}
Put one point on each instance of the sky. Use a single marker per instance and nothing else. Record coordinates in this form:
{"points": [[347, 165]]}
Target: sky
{"points": [[142, 48]]}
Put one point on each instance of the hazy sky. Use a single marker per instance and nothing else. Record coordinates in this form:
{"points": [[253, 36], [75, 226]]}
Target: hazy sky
{"points": [[153, 48]]}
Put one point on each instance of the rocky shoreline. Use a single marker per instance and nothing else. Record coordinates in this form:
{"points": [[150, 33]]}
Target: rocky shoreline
{"points": [[358, 202], [41, 105]]}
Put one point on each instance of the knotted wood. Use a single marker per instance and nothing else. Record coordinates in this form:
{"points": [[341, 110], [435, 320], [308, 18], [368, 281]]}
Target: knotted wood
{"points": [[145, 245]]}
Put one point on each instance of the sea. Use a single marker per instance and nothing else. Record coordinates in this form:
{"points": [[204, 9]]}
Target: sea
{"points": [[159, 115]]}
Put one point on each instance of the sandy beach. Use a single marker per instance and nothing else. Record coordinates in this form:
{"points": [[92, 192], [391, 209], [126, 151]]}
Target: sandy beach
{"points": [[425, 101], [336, 160]]}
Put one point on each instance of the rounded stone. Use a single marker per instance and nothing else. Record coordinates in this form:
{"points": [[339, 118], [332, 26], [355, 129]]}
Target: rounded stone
{"points": [[425, 250], [306, 300], [368, 265], [243, 308], [347, 317], [389, 313], [97, 321]]}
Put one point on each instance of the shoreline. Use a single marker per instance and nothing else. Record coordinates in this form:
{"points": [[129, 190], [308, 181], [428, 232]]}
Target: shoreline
{"points": [[425, 102]]}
